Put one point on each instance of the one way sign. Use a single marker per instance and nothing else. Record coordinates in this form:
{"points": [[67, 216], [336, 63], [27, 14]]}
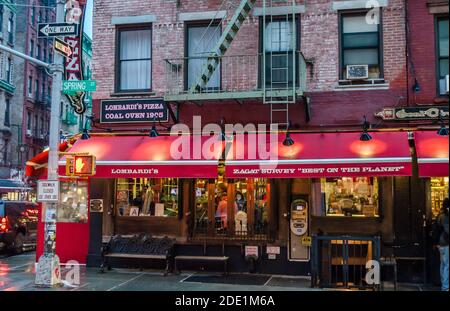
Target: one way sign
{"points": [[57, 30]]}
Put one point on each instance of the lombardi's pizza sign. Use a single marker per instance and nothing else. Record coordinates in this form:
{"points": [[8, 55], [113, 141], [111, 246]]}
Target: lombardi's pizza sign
{"points": [[73, 67]]}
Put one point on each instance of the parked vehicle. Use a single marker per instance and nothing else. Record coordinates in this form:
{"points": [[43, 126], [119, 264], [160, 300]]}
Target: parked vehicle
{"points": [[18, 225]]}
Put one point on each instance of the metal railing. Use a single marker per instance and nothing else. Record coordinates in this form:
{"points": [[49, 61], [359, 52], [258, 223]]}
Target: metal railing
{"points": [[236, 74], [203, 229], [340, 261]]}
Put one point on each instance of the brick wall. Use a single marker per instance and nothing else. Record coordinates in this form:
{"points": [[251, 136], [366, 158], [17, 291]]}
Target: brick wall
{"points": [[422, 48], [319, 43]]}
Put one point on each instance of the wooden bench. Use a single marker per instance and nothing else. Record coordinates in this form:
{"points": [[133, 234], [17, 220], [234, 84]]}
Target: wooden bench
{"points": [[144, 247], [223, 259]]}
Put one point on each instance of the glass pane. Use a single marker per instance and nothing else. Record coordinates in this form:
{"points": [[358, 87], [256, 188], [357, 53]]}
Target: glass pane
{"points": [[261, 206], [221, 207], [443, 67], [201, 206], [357, 23], [360, 40], [135, 75], [279, 70], [279, 36], [349, 196], [201, 41], [240, 204], [135, 44], [147, 197], [361, 57], [443, 38], [73, 202]]}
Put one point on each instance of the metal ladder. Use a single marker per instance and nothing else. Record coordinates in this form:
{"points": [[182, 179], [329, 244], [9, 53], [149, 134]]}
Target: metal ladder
{"points": [[281, 95], [214, 59]]}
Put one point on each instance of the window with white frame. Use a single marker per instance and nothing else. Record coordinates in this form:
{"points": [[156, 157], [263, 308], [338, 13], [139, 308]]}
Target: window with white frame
{"points": [[135, 59], [200, 42], [360, 44]]}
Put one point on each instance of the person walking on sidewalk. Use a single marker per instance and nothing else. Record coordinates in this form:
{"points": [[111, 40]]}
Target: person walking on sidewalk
{"points": [[443, 243]]}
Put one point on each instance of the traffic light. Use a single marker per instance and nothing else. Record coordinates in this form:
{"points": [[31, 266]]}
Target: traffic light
{"points": [[80, 165]]}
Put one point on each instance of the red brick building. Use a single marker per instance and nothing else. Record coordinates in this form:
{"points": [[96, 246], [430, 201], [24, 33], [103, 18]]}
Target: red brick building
{"points": [[320, 66]]}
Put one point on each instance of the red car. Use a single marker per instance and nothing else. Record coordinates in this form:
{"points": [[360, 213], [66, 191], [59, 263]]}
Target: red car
{"points": [[18, 225]]}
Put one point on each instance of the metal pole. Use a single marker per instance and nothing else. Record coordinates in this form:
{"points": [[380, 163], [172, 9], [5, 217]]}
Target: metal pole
{"points": [[48, 268]]}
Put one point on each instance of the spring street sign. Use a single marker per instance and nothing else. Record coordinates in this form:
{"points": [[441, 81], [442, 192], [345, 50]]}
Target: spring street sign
{"points": [[74, 86], [57, 30]]}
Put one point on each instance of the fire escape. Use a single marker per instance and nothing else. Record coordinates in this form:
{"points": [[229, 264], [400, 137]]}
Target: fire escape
{"points": [[276, 75]]}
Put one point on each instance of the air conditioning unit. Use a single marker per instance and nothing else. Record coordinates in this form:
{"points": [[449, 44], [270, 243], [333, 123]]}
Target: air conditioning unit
{"points": [[42, 136], [357, 72], [29, 133], [446, 83]]}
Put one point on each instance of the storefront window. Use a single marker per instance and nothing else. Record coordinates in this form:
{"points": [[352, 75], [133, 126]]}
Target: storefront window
{"points": [[73, 201], [147, 196], [247, 198], [261, 206], [240, 207], [350, 196], [439, 191], [201, 206]]}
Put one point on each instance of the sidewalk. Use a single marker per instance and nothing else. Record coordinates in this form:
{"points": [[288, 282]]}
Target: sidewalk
{"points": [[17, 274]]}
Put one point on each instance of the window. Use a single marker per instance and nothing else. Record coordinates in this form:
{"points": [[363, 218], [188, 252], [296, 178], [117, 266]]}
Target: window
{"points": [[30, 86], [38, 51], [36, 124], [42, 126], [73, 201], [280, 46], [442, 53], [1, 16], [40, 17], [7, 112], [44, 54], [33, 15], [36, 89], [5, 151], [135, 59], [11, 28], [147, 197], [439, 191], [9, 71], [31, 47], [248, 199], [350, 196], [360, 44], [61, 113], [200, 42], [29, 121]]}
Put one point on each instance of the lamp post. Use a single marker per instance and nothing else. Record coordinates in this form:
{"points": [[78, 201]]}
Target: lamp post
{"points": [[48, 268]]}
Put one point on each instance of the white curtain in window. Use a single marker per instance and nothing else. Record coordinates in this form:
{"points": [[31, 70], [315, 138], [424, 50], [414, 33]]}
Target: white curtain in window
{"points": [[201, 41], [135, 59], [279, 36]]}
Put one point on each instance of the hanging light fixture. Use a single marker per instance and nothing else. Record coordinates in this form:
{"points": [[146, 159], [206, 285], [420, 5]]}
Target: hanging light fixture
{"points": [[365, 136], [443, 131], [85, 134], [288, 141], [153, 131]]}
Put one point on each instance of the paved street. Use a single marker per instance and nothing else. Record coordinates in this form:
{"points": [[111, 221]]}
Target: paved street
{"points": [[17, 274]]}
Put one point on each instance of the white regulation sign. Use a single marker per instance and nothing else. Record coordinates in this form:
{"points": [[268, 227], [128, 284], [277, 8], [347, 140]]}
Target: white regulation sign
{"points": [[48, 191]]}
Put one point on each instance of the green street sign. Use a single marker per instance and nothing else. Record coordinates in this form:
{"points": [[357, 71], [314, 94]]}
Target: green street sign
{"points": [[73, 86]]}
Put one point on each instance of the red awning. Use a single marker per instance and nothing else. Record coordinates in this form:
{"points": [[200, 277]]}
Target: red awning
{"points": [[142, 156], [432, 154], [320, 155], [37, 165]]}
